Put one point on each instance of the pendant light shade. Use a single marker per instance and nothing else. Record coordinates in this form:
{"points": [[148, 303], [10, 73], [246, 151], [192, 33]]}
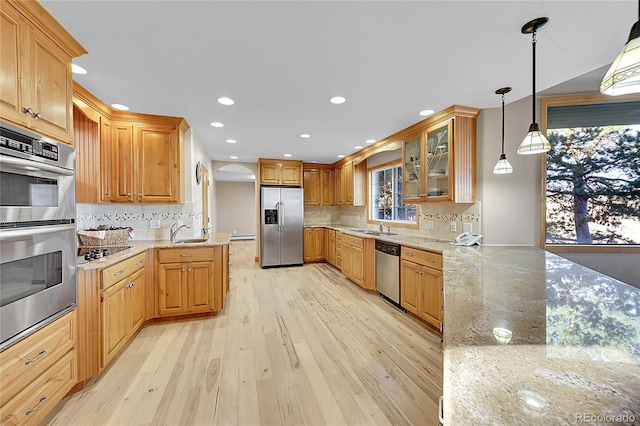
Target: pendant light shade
{"points": [[624, 75], [534, 142], [503, 166]]}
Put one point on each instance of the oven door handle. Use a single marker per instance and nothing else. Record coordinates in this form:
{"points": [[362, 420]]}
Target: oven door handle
{"points": [[21, 164], [8, 234]]}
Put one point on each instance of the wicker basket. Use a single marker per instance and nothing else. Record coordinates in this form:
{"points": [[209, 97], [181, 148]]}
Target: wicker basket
{"points": [[114, 236]]}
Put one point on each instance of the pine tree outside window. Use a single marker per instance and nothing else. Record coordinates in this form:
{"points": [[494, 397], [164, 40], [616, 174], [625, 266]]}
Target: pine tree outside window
{"points": [[592, 182]]}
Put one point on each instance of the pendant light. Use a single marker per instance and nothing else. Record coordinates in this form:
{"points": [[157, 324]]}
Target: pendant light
{"points": [[624, 75], [535, 142], [503, 166]]}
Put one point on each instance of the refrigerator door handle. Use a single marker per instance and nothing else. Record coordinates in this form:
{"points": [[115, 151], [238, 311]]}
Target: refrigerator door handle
{"points": [[282, 218], [279, 216]]}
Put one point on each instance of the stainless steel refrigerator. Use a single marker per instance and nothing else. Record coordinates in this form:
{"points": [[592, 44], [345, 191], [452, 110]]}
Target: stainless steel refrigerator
{"points": [[281, 226]]}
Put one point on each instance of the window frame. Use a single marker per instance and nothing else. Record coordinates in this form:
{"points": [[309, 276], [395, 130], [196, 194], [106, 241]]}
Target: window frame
{"points": [[586, 99], [389, 164]]}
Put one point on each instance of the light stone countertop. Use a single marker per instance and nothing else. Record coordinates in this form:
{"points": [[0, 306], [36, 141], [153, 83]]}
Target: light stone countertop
{"points": [[533, 338], [139, 246]]}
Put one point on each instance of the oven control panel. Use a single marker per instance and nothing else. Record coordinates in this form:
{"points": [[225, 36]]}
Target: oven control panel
{"points": [[26, 145]]}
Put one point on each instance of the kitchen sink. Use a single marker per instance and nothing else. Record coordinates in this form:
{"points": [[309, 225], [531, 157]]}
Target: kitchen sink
{"points": [[379, 234], [192, 241]]}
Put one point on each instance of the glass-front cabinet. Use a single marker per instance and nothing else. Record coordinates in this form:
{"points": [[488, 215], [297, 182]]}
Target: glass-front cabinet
{"points": [[439, 157], [412, 149], [438, 143]]}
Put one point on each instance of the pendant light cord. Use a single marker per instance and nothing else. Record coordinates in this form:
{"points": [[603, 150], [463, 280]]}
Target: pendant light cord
{"points": [[503, 124], [533, 93]]}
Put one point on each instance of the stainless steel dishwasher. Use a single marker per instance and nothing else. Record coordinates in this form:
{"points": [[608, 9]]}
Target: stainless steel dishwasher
{"points": [[388, 271]]}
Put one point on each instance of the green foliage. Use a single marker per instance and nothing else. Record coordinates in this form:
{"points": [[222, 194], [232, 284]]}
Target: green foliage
{"points": [[593, 177]]}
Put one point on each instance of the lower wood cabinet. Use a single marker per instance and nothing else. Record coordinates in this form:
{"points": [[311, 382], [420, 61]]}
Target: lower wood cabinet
{"points": [[421, 285], [191, 280], [330, 246], [38, 371], [314, 245], [122, 305]]}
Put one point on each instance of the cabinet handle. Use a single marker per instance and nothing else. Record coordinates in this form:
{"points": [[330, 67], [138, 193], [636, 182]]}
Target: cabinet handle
{"points": [[42, 400], [431, 260], [139, 262], [40, 355], [118, 273], [186, 255], [440, 410], [409, 254]]}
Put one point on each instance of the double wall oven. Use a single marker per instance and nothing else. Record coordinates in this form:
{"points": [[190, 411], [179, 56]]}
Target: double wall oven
{"points": [[37, 232]]}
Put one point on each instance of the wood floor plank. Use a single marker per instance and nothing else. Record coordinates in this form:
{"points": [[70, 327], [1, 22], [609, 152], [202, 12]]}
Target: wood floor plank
{"points": [[294, 346]]}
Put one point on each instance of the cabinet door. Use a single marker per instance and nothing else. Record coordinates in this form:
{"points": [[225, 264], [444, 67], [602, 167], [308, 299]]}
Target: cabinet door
{"points": [[331, 247], [86, 141], [412, 168], [308, 245], [327, 188], [439, 139], [357, 265], [348, 183], [318, 244], [410, 286], [51, 89], [172, 286], [269, 173], [158, 168], [200, 286], [122, 161], [325, 244], [136, 301], [290, 174], [106, 160], [12, 59], [340, 186], [311, 187], [113, 310], [431, 295]]}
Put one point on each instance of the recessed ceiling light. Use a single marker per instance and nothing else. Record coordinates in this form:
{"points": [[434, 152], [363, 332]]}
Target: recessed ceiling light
{"points": [[357, 147], [426, 112], [217, 124], [120, 107], [226, 101], [287, 155], [233, 157], [305, 135], [314, 161], [77, 69], [340, 156], [231, 141], [337, 100], [370, 140]]}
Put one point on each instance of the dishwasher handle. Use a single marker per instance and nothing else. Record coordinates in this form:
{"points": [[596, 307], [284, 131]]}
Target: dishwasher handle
{"points": [[388, 248]]}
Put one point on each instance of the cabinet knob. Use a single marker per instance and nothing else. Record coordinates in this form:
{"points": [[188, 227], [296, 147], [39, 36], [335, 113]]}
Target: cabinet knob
{"points": [[183, 269], [190, 269], [28, 111], [140, 195], [128, 194], [37, 115]]}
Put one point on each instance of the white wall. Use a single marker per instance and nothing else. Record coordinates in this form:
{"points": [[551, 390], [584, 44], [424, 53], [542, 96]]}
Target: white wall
{"points": [[511, 203], [236, 208]]}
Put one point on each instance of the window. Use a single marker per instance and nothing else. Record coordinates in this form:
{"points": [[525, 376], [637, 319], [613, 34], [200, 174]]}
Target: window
{"points": [[385, 196], [592, 172]]}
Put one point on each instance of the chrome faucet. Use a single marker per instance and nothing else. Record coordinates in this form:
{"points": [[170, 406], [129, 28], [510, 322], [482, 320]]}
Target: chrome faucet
{"points": [[388, 229], [174, 231], [381, 227]]}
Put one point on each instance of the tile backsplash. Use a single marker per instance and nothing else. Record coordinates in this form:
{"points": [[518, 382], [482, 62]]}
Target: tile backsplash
{"points": [[138, 217], [441, 214]]}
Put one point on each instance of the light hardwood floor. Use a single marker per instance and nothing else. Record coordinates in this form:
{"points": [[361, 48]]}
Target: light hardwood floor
{"points": [[299, 346]]}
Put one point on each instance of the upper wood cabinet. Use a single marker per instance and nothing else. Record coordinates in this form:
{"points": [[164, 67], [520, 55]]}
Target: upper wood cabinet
{"points": [[280, 172], [439, 158], [351, 184], [319, 186], [140, 156], [36, 87]]}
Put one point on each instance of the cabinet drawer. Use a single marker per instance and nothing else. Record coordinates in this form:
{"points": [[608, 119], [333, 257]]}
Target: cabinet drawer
{"points": [[27, 359], [181, 255], [115, 273], [354, 241], [426, 258], [43, 393]]}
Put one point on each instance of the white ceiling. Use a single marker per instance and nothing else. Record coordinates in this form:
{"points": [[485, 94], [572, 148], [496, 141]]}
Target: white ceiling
{"points": [[282, 61]]}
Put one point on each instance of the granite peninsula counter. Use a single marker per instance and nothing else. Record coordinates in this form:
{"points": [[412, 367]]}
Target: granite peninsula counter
{"points": [[533, 338]]}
